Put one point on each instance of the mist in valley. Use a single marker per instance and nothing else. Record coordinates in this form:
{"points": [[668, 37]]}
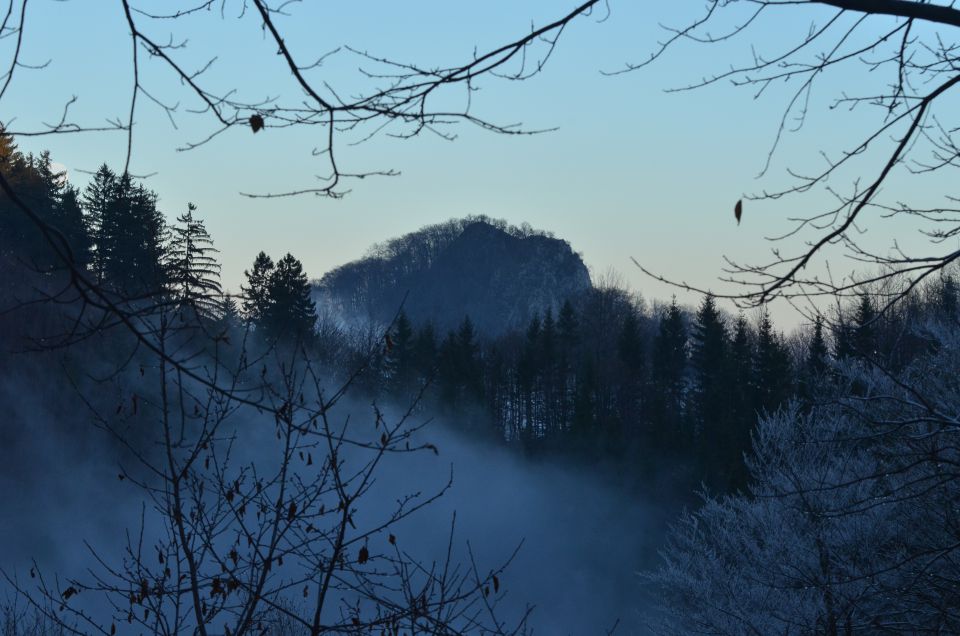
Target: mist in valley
{"points": [[574, 538]]}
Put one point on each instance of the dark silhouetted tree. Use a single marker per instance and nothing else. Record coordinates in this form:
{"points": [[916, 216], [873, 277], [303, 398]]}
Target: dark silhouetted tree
{"points": [[128, 233], [771, 369], [568, 332], [816, 361], [256, 300], [630, 352], [97, 199], [459, 374], [743, 414], [865, 328], [399, 360], [54, 201], [291, 314], [230, 318], [710, 398], [667, 378], [193, 272], [425, 352]]}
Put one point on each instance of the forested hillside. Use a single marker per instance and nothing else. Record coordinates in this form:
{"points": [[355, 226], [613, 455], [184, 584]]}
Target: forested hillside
{"points": [[496, 273]]}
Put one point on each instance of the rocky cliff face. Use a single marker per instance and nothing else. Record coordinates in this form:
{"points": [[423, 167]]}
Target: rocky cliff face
{"points": [[496, 274]]}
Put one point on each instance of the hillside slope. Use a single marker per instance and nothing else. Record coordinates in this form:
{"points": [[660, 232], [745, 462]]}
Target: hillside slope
{"points": [[497, 274]]}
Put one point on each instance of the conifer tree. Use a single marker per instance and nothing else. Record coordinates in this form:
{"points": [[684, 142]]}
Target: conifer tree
{"points": [[632, 376], [8, 148], [817, 352], [741, 368], [568, 333], [447, 367], [14, 226], [568, 327], [46, 184], [425, 352], [97, 199], [842, 339], [584, 422], [193, 272], [468, 359], [229, 318], [772, 373], [708, 352], [710, 404], [630, 343], [291, 314], [814, 363], [256, 300], [39, 189], [48, 195], [399, 359], [69, 219], [667, 380], [460, 374], [865, 328], [128, 233], [742, 411]]}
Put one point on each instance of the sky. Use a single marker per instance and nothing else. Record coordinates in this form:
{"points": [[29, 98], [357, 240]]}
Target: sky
{"points": [[632, 170]]}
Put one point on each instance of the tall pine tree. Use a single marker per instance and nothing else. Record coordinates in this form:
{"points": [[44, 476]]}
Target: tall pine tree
{"points": [[772, 373], [97, 199], [743, 413], [193, 271], [399, 367], [668, 382], [291, 314], [710, 403], [255, 295], [128, 232], [865, 330]]}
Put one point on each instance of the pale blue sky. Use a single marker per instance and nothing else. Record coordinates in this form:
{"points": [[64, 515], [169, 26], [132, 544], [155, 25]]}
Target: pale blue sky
{"points": [[632, 171]]}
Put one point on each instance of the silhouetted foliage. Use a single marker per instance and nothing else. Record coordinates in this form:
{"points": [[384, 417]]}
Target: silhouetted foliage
{"points": [[193, 272], [54, 201], [256, 300], [290, 314], [128, 234]]}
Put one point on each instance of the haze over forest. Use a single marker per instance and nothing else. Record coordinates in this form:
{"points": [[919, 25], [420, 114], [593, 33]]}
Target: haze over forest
{"points": [[467, 423]]}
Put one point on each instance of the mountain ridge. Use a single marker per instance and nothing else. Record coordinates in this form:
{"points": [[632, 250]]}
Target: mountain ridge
{"points": [[497, 274]]}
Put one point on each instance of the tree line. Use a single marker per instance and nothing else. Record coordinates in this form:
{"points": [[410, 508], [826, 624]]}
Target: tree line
{"points": [[118, 235], [656, 388]]}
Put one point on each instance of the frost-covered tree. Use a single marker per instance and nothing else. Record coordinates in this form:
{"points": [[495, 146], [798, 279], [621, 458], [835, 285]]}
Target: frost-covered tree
{"points": [[852, 522]]}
